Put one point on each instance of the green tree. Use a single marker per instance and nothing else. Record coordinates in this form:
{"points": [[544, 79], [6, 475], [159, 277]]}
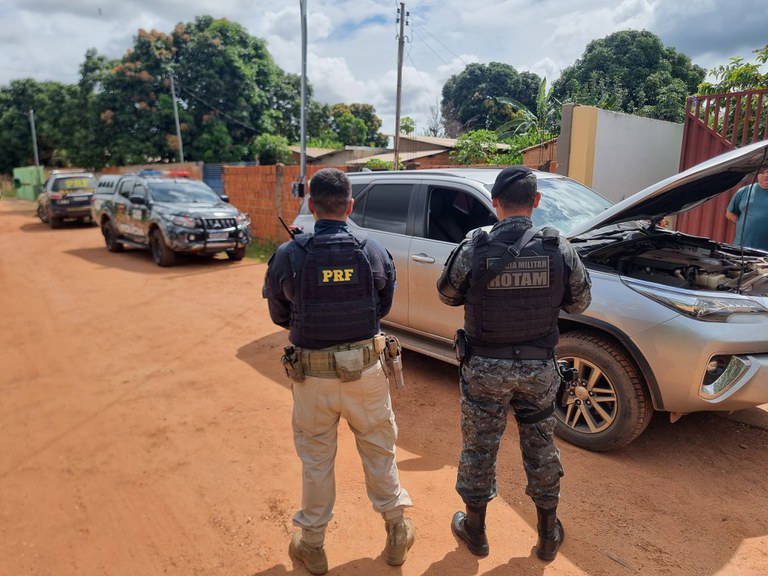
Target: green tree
{"points": [[407, 125], [478, 97], [351, 129], [476, 147], [649, 78], [57, 114], [271, 149], [221, 73], [542, 123], [367, 115], [738, 75]]}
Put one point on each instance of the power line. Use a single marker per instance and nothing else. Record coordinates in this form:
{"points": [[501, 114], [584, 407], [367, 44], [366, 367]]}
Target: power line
{"points": [[224, 114], [441, 44]]}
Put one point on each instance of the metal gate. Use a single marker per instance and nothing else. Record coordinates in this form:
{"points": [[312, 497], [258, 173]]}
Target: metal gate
{"points": [[716, 123]]}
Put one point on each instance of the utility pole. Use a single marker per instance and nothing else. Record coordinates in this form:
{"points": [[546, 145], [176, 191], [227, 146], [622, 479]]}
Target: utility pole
{"points": [[298, 187], [34, 149], [402, 15], [176, 117]]}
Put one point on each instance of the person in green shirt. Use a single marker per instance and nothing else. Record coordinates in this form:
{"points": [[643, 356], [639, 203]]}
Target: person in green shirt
{"points": [[748, 209]]}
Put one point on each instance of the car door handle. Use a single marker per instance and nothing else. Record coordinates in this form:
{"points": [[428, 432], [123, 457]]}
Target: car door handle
{"points": [[426, 259]]}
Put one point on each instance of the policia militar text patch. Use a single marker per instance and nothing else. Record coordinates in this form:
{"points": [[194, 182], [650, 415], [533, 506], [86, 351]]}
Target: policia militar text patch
{"points": [[523, 272]]}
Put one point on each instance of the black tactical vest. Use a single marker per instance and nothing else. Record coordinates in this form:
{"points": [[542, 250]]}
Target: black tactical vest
{"points": [[337, 301], [520, 304]]}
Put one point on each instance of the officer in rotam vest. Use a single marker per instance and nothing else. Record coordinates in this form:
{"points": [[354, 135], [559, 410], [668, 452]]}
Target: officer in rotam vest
{"points": [[329, 289], [512, 283]]}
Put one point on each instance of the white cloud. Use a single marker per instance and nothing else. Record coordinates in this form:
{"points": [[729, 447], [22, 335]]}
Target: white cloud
{"points": [[352, 44]]}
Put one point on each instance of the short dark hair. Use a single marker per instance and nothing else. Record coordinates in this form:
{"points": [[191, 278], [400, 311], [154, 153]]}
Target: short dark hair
{"points": [[330, 191], [519, 193]]}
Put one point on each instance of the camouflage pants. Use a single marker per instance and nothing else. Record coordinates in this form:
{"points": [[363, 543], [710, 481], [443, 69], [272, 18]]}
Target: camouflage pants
{"points": [[489, 386]]}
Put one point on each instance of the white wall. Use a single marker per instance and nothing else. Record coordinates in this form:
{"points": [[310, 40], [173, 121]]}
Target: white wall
{"points": [[632, 152]]}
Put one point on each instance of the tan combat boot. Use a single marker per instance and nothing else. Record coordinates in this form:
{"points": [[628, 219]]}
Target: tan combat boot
{"points": [[400, 537], [313, 557]]}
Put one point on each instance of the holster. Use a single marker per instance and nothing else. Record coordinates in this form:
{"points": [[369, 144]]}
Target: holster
{"points": [[567, 376], [291, 360], [460, 345]]}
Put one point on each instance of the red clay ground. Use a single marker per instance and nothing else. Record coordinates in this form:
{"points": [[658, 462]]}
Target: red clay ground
{"points": [[145, 430]]}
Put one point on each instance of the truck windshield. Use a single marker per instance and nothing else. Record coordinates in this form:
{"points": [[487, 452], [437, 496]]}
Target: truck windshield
{"points": [[182, 191]]}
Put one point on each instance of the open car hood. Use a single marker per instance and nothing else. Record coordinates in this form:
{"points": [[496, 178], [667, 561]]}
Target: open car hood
{"points": [[683, 191]]}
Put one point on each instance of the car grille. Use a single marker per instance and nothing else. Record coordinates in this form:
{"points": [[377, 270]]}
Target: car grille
{"points": [[218, 223]]}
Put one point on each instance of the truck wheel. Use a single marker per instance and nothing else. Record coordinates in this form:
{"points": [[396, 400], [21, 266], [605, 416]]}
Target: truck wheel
{"points": [[607, 405], [236, 254], [42, 213], [162, 255], [110, 238]]}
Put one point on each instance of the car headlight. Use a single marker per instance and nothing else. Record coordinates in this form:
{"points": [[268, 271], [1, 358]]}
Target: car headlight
{"points": [[184, 221], [243, 220], [714, 308]]}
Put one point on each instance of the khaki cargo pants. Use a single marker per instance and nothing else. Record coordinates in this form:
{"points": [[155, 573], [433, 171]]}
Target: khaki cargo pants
{"points": [[318, 405]]}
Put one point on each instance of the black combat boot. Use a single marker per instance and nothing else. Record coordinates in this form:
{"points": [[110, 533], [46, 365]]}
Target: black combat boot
{"points": [[470, 527], [551, 533]]}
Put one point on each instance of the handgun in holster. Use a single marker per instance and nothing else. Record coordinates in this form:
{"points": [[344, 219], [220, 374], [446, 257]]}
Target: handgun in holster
{"points": [[567, 377], [460, 345], [393, 361], [291, 360]]}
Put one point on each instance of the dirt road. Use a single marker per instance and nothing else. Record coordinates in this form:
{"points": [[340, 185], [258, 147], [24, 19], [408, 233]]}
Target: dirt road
{"points": [[145, 431]]}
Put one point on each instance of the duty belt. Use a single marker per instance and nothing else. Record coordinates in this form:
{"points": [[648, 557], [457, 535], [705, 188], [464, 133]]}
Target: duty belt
{"points": [[322, 363], [511, 351]]}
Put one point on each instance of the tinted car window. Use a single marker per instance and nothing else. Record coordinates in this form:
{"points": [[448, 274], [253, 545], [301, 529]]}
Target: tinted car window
{"points": [[384, 207], [73, 183], [453, 213], [182, 191], [125, 187]]}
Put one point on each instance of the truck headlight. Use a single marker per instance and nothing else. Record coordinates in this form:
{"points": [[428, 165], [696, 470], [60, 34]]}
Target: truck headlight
{"points": [[711, 308], [184, 221]]}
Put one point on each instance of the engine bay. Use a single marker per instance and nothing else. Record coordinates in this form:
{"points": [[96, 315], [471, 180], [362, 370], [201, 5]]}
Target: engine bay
{"points": [[686, 262]]}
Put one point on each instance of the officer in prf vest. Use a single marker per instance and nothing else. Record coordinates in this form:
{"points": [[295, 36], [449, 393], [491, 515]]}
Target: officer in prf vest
{"points": [[330, 289], [512, 283]]}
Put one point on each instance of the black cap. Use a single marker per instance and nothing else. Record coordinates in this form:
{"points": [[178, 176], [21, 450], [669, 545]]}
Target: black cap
{"points": [[507, 176]]}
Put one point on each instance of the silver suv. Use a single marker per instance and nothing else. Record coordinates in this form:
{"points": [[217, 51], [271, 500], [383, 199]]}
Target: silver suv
{"points": [[677, 323]]}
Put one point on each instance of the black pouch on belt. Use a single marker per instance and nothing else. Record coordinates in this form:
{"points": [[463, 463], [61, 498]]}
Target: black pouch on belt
{"points": [[460, 345]]}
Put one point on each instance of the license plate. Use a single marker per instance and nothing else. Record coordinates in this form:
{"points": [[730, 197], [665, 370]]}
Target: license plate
{"points": [[218, 235]]}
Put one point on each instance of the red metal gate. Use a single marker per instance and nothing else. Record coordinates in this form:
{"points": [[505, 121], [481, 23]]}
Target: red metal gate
{"points": [[716, 123]]}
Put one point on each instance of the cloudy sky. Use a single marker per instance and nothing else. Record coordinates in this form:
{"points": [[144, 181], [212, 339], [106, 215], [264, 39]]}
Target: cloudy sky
{"points": [[352, 44]]}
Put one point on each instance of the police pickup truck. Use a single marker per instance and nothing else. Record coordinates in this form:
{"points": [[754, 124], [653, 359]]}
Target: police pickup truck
{"points": [[168, 214]]}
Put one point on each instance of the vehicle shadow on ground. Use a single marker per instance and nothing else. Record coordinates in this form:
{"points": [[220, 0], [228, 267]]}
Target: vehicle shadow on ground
{"points": [[37, 227], [610, 529], [138, 260]]}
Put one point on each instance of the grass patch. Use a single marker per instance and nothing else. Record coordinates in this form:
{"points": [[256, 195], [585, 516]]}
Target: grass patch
{"points": [[7, 190], [261, 251]]}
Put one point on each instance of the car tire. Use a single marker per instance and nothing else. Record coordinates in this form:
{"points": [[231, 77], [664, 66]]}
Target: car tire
{"points": [[161, 253], [237, 254], [607, 405], [42, 213], [110, 238]]}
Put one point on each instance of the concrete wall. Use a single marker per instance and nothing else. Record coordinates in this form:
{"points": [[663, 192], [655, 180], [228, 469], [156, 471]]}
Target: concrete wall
{"points": [[619, 154]]}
